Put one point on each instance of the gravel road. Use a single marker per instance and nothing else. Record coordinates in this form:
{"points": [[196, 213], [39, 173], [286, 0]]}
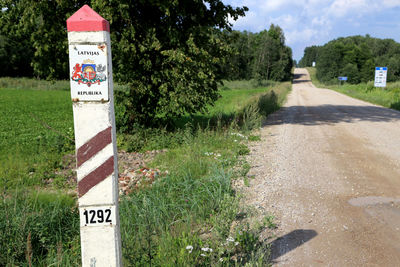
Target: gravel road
{"points": [[328, 168]]}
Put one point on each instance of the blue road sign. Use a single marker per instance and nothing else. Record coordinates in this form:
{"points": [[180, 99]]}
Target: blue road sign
{"points": [[342, 78]]}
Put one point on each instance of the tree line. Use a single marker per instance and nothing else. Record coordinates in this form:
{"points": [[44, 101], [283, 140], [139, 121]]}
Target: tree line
{"points": [[354, 57], [171, 54], [261, 56]]}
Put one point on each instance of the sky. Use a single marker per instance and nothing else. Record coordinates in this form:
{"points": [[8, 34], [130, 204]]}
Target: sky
{"points": [[316, 22]]}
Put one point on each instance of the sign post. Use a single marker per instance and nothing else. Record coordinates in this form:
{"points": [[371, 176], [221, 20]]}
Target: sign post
{"points": [[380, 76], [342, 78], [95, 137]]}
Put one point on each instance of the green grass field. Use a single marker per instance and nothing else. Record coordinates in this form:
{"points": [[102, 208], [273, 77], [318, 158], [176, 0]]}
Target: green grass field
{"points": [[29, 150], [388, 97], [193, 206]]}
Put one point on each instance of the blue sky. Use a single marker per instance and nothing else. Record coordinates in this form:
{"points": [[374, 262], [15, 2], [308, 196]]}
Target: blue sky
{"points": [[315, 22]]}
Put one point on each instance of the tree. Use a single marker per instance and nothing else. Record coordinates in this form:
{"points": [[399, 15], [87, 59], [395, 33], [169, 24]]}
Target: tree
{"points": [[168, 52], [310, 56], [38, 28], [261, 56]]}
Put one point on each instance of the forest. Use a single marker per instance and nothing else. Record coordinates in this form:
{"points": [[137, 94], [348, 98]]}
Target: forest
{"points": [[355, 57]]}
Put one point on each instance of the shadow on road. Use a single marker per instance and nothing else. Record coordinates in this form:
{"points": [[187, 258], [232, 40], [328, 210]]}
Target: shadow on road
{"points": [[300, 78], [330, 114], [290, 241]]}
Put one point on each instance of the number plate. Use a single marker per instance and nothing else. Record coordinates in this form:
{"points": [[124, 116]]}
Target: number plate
{"points": [[96, 216]]}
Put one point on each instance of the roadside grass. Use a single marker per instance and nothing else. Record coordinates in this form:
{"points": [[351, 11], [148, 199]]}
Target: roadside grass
{"points": [[388, 97], [183, 219], [238, 107]]}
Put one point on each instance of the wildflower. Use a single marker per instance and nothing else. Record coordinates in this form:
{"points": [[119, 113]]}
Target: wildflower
{"points": [[240, 135], [203, 255], [207, 249], [190, 248], [221, 259], [236, 243], [230, 239]]}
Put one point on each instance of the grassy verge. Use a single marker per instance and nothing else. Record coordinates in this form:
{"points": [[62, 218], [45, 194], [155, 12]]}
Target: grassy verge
{"points": [[183, 219], [388, 97], [239, 102]]}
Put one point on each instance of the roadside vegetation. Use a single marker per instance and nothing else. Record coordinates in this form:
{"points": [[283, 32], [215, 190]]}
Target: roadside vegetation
{"points": [[184, 218], [388, 97]]}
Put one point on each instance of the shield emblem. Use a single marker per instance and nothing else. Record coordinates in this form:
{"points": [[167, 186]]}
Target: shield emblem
{"points": [[89, 71]]}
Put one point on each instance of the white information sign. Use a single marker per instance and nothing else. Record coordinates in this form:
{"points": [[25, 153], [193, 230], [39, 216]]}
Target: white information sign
{"points": [[89, 72], [313, 64], [380, 76], [97, 216]]}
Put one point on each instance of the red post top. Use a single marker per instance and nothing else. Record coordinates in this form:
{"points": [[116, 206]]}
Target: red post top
{"points": [[87, 20]]}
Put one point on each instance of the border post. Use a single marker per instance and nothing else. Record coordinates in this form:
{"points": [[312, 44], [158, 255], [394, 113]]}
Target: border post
{"points": [[95, 137]]}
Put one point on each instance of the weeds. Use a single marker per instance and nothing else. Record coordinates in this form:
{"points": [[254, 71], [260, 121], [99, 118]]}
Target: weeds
{"points": [[34, 224]]}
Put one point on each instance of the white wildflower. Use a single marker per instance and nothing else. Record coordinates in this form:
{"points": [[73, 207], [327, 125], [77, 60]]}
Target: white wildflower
{"points": [[190, 248], [203, 255], [230, 239], [240, 135], [221, 259], [236, 243], [207, 249]]}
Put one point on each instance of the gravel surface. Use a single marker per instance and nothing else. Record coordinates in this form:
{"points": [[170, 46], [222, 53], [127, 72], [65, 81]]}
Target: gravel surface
{"points": [[328, 168]]}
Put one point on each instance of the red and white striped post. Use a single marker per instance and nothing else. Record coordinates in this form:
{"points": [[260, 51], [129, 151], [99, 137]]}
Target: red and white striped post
{"points": [[95, 137]]}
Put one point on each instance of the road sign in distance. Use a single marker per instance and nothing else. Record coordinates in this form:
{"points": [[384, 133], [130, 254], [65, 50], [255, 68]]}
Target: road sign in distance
{"points": [[380, 76]]}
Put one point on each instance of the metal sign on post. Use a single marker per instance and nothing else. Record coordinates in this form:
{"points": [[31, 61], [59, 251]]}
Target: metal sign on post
{"points": [[342, 78], [95, 137], [380, 76]]}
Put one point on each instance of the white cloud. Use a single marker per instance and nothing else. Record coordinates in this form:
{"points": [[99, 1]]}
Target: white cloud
{"points": [[309, 22], [252, 22]]}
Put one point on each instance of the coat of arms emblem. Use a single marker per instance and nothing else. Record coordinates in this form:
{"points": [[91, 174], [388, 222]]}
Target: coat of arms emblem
{"points": [[89, 73]]}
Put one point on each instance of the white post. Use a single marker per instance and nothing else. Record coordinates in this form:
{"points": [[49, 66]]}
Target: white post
{"points": [[95, 137]]}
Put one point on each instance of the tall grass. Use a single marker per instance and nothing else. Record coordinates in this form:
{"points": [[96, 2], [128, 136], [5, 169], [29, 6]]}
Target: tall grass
{"points": [[239, 108], [183, 219], [388, 97], [38, 229]]}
